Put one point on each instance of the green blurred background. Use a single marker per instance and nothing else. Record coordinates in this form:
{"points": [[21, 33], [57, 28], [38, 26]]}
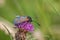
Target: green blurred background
{"points": [[45, 12]]}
